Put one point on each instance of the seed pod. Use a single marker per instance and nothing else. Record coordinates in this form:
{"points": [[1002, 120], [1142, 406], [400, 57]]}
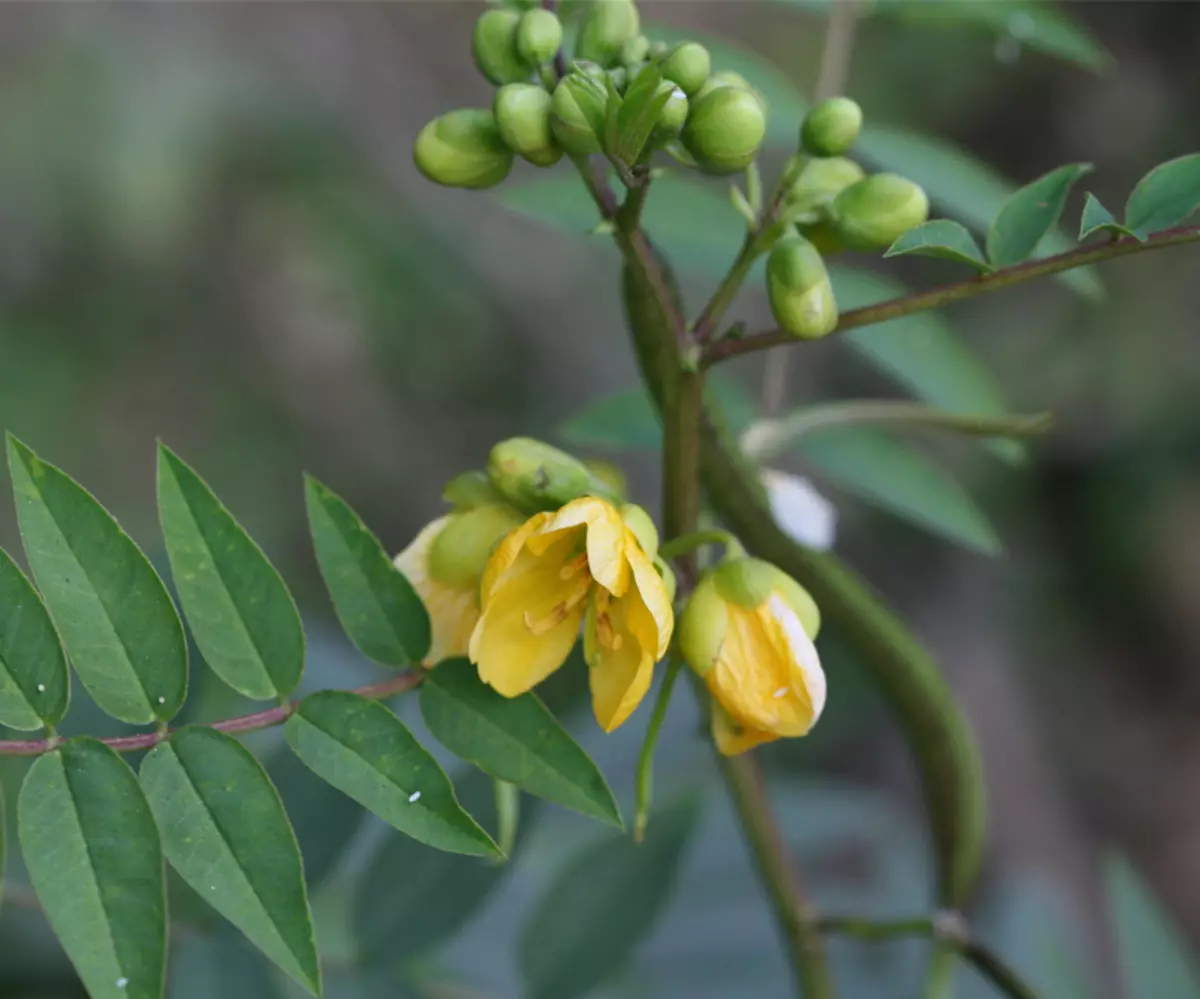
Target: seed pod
{"points": [[673, 115], [831, 127], [799, 290], [534, 476], [688, 65], [877, 211], [523, 116], [813, 183], [463, 148], [539, 35], [495, 46], [577, 113], [609, 24], [635, 51], [724, 130]]}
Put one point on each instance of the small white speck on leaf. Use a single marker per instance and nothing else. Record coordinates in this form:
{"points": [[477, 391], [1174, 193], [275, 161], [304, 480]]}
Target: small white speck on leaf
{"points": [[781, 692], [122, 982], [41, 688], [415, 796], [162, 700]]}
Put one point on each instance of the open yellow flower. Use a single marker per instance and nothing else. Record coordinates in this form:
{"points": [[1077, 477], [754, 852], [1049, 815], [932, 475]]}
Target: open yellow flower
{"points": [[553, 573], [444, 564], [748, 630]]}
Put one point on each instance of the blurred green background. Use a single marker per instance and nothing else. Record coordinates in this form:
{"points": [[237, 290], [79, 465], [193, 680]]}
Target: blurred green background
{"points": [[213, 235]]}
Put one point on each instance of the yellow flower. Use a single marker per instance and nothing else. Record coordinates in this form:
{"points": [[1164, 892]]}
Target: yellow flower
{"points": [[444, 563], [748, 629], [583, 562]]}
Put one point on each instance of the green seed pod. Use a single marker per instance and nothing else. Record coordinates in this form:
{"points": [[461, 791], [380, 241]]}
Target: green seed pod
{"points": [[724, 130], [634, 51], [673, 115], [608, 25], [813, 183], [534, 476], [875, 212], [577, 113], [688, 65], [831, 127], [539, 35], [495, 46], [523, 116], [799, 290], [463, 148], [640, 522], [460, 550]]}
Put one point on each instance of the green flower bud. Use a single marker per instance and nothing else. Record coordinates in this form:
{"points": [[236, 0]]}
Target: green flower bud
{"points": [[688, 65], [495, 46], [799, 290], [609, 476], [824, 236], [813, 183], [459, 552], [463, 149], [831, 127], [875, 212], [726, 78], [468, 490], [640, 522], [577, 113], [667, 574], [724, 129], [657, 50], [539, 35], [588, 68], [523, 116], [635, 51], [534, 476], [620, 78], [609, 24], [673, 115]]}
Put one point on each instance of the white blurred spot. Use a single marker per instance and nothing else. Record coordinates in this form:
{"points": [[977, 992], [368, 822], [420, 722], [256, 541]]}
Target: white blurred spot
{"points": [[801, 512], [41, 688], [781, 692], [415, 796], [122, 982], [162, 700]]}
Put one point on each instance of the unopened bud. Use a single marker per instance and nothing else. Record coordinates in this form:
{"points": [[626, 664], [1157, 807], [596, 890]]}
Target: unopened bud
{"points": [[814, 183], [635, 51], [459, 552], [620, 78], [463, 148], [642, 526], [668, 577], [534, 476], [724, 129], [495, 46], [539, 35], [608, 25], [577, 113], [799, 290], [610, 477], [688, 65], [674, 113], [831, 127], [725, 78], [875, 212], [523, 116]]}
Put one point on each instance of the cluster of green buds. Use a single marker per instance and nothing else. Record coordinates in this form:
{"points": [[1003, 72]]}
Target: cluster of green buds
{"points": [[616, 94]]}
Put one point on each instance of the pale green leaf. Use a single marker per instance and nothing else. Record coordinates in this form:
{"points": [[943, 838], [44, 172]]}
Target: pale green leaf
{"points": [[377, 606], [364, 750], [1029, 214], [893, 477], [1097, 218], [1166, 196], [35, 686], [602, 906], [514, 739], [225, 831], [941, 238], [111, 608], [241, 614], [92, 850]]}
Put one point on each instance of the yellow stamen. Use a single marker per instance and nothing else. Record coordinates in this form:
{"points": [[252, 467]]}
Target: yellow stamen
{"points": [[558, 614], [573, 567], [605, 634]]}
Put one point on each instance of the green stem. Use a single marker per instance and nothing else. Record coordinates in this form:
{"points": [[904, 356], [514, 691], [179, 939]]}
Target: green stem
{"points": [[722, 298], [939, 974], [508, 816], [645, 767], [697, 539]]}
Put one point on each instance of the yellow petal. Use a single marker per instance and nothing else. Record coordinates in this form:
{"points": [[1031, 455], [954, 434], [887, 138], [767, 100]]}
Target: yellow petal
{"points": [[618, 644], [652, 592], [732, 738], [452, 611], [606, 539], [506, 553]]}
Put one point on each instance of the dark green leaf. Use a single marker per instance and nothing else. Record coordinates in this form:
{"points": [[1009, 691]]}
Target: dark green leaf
{"points": [[1096, 217], [941, 238], [1166, 196], [35, 685], [220, 966], [377, 606], [514, 739], [1155, 957], [602, 907], [363, 749], [111, 608], [225, 832], [1029, 214], [241, 613], [94, 859], [893, 477]]}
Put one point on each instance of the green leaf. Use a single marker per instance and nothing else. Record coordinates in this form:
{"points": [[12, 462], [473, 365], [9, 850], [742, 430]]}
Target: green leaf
{"points": [[1166, 196], [94, 859], [377, 606], [3, 842], [514, 739], [35, 685], [412, 897], [895, 478], [596, 913], [111, 608], [241, 613], [1155, 957], [364, 750], [225, 832], [941, 238], [1096, 217], [1029, 214], [638, 113]]}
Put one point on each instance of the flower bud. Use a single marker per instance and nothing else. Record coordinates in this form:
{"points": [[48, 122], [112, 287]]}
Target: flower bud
{"points": [[824, 236], [468, 490], [673, 115], [875, 212], [831, 127], [463, 148], [460, 550], [799, 290], [688, 65], [609, 476], [726, 78], [534, 476], [523, 116], [724, 130], [620, 78], [577, 113], [813, 183], [635, 51], [642, 526], [539, 35], [668, 577], [608, 25], [495, 46]]}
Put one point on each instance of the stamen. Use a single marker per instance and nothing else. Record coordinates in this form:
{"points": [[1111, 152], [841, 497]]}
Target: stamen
{"points": [[539, 626], [605, 634], [572, 567]]}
